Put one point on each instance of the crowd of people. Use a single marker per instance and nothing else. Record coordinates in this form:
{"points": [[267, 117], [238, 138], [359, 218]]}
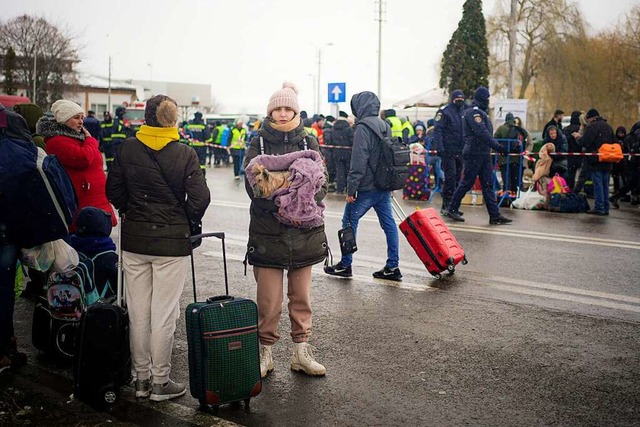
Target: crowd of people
{"points": [[155, 178]]}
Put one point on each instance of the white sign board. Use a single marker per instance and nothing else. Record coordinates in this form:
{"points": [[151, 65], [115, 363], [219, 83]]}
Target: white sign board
{"points": [[517, 107]]}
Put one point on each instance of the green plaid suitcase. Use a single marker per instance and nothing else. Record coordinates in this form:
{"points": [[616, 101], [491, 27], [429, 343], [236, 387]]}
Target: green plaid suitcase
{"points": [[222, 334]]}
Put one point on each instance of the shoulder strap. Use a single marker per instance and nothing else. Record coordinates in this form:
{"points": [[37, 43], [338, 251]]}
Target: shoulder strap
{"points": [[305, 144], [261, 145], [166, 181], [375, 131]]}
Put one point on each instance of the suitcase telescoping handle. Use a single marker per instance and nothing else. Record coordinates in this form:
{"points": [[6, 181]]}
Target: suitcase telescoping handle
{"points": [[397, 209], [219, 235], [120, 281]]}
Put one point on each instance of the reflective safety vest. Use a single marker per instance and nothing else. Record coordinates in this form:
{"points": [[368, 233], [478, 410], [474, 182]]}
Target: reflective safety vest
{"points": [[311, 131], [196, 130], [407, 125], [238, 138], [396, 126], [106, 131], [118, 130], [220, 130]]}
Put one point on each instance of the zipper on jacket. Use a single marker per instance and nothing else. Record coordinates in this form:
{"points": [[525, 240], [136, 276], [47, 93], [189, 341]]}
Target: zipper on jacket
{"points": [[286, 137]]}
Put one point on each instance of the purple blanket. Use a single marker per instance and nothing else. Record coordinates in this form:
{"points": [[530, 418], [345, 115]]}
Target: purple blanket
{"points": [[296, 204]]}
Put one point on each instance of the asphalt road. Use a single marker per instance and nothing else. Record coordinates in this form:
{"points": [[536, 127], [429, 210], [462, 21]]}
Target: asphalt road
{"points": [[540, 328]]}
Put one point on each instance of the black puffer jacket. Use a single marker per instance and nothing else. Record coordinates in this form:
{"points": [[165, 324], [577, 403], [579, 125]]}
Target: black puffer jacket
{"points": [[596, 133], [366, 145], [271, 243], [572, 144], [155, 222]]}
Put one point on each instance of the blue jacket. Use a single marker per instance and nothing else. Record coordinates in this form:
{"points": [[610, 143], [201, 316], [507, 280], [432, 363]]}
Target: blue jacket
{"points": [[477, 132], [447, 136], [93, 126]]}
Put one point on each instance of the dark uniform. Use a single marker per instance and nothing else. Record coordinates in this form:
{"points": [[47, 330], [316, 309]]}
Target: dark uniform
{"points": [[447, 138], [119, 132], [105, 134], [199, 136], [477, 132]]}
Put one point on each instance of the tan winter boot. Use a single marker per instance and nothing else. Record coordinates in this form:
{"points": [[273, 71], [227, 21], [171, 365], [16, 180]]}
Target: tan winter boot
{"points": [[302, 360], [266, 360]]}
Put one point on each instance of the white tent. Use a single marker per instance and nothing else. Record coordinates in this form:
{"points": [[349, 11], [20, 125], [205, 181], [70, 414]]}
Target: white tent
{"points": [[432, 98]]}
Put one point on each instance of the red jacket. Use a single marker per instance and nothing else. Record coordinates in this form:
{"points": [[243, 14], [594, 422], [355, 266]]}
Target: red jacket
{"points": [[83, 162]]}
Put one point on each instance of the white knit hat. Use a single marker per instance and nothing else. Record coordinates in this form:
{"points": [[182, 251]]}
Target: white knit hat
{"points": [[63, 110], [285, 97]]}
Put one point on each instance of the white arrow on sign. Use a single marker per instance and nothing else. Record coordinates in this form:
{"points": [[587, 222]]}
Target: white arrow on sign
{"points": [[336, 92]]}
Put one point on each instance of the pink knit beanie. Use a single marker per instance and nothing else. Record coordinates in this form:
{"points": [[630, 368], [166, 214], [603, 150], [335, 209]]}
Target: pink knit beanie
{"points": [[285, 97]]}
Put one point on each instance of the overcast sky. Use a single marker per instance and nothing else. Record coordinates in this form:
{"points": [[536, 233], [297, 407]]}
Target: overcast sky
{"points": [[246, 49]]}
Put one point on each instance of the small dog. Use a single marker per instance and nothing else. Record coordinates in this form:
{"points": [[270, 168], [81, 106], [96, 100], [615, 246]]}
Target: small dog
{"points": [[267, 182]]}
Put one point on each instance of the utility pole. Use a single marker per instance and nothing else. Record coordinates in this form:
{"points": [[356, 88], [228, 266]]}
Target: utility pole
{"points": [[35, 61], [109, 88], [513, 23], [379, 19]]}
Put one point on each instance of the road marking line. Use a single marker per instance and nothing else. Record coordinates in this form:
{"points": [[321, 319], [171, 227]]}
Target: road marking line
{"points": [[370, 217]]}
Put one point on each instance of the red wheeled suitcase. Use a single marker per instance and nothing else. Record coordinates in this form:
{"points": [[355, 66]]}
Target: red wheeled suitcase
{"points": [[431, 239]]}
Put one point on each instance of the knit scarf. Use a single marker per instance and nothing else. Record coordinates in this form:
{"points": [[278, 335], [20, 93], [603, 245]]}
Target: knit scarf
{"points": [[157, 138], [287, 127]]}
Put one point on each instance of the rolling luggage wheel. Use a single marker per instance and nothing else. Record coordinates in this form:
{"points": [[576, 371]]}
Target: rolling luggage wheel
{"points": [[451, 269], [465, 261], [206, 407], [247, 403], [438, 276], [108, 396]]}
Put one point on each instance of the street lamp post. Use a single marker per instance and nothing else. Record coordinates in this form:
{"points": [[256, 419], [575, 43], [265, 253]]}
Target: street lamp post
{"points": [[314, 86], [319, 74]]}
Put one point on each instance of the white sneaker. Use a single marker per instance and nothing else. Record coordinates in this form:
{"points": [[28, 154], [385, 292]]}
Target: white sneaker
{"points": [[302, 360], [266, 360]]}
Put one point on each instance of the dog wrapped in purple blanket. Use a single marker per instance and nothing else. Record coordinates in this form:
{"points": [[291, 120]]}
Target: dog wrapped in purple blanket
{"points": [[291, 180]]}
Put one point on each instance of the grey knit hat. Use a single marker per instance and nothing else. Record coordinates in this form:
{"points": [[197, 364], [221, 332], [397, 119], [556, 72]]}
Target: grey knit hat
{"points": [[285, 97]]}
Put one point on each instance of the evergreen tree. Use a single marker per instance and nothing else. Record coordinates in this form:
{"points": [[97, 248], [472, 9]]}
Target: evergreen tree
{"points": [[465, 63], [9, 72]]}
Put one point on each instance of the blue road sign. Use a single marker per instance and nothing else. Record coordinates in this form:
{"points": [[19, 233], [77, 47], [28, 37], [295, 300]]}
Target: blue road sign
{"points": [[337, 92]]}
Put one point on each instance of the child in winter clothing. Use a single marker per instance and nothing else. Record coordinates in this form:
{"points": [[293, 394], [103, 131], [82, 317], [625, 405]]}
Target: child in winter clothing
{"points": [[92, 240]]}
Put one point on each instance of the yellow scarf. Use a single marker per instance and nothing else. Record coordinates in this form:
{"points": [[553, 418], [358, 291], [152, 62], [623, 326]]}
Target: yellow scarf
{"points": [[157, 138], [287, 127]]}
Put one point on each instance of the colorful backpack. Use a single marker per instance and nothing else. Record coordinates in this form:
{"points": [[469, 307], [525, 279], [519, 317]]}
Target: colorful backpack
{"points": [[558, 185]]}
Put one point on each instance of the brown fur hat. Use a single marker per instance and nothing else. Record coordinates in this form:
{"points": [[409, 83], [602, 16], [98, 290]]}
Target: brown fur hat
{"points": [[161, 112]]}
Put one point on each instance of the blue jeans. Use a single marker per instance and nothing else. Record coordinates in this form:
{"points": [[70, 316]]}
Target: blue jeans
{"points": [[8, 260], [600, 190], [380, 201]]}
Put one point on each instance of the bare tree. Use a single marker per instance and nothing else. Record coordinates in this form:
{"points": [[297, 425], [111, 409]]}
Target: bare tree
{"points": [[538, 25], [40, 45]]}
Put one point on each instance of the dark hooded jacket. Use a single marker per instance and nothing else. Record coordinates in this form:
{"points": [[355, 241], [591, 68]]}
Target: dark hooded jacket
{"points": [[559, 162], [596, 133], [341, 135], [573, 162], [273, 244], [366, 145], [31, 113], [447, 136], [477, 129], [16, 129]]}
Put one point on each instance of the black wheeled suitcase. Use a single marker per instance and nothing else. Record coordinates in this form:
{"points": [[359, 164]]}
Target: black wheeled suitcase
{"points": [[103, 361], [222, 334]]}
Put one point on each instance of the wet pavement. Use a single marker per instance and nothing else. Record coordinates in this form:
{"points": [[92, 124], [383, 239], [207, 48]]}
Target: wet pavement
{"points": [[540, 328]]}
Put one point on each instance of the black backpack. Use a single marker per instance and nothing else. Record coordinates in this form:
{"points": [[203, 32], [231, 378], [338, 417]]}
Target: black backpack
{"points": [[392, 171]]}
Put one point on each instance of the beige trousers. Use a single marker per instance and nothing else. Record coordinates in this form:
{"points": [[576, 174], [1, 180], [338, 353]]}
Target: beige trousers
{"points": [[270, 295], [153, 285]]}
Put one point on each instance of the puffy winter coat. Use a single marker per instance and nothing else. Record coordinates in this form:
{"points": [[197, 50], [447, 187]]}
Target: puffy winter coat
{"points": [[448, 128], [271, 243], [155, 223], [82, 160]]}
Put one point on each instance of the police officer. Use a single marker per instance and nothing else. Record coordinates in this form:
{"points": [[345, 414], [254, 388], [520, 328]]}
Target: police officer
{"points": [[199, 134], [105, 134], [477, 132], [119, 132], [447, 139]]}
